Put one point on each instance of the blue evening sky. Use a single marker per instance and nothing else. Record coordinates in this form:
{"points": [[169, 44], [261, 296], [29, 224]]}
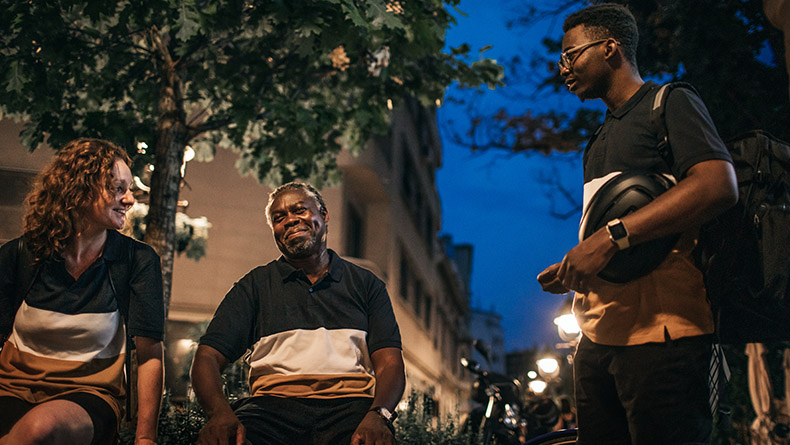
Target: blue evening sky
{"points": [[495, 201]]}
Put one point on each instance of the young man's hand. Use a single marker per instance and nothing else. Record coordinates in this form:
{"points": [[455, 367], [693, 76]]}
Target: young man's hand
{"points": [[550, 282], [580, 267]]}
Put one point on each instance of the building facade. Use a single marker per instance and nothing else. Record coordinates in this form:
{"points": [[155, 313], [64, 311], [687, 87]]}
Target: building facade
{"points": [[385, 215], [486, 326]]}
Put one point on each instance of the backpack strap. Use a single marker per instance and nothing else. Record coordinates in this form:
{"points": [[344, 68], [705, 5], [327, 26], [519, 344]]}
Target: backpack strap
{"points": [[26, 272], [658, 119], [118, 274]]}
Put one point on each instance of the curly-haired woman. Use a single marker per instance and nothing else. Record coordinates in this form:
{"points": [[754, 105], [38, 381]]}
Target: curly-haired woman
{"points": [[72, 290]]}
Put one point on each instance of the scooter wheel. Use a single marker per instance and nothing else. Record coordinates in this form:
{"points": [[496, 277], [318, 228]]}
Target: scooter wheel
{"points": [[562, 437]]}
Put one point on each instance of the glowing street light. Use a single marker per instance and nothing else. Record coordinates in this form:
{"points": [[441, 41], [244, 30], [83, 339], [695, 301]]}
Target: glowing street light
{"points": [[548, 368], [568, 327], [537, 386]]}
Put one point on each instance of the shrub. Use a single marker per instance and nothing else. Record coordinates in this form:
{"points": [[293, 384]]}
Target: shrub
{"points": [[417, 425], [181, 423]]}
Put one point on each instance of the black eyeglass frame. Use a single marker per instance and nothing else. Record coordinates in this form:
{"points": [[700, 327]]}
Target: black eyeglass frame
{"points": [[566, 62]]}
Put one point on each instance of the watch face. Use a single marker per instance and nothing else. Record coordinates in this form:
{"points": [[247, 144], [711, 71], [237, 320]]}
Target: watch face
{"points": [[618, 231], [385, 412]]}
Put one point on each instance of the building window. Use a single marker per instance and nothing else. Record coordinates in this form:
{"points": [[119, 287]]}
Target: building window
{"points": [[408, 177], [355, 230], [428, 230], [417, 204], [438, 338], [404, 277], [418, 298], [428, 308]]}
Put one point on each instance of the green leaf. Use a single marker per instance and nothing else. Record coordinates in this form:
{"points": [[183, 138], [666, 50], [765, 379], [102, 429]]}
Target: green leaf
{"points": [[16, 80], [30, 137], [377, 11], [352, 12], [187, 24]]}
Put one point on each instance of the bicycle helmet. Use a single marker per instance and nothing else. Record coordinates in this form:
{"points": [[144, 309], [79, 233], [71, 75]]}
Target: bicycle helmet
{"points": [[618, 197]]}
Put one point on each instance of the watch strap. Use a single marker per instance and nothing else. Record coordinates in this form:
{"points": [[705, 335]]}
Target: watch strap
{"points": [[387, 415]]}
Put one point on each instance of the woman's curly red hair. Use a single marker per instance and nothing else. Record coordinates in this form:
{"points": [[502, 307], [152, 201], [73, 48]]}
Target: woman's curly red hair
{"points": [[80, 174]]}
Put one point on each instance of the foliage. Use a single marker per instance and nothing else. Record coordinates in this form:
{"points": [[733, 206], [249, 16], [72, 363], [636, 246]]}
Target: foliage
{"points": [[181, 423], [178, 424], [282, 82], [418, 425], [191, 233], [727, 49], [286, 84], [235, 377]]}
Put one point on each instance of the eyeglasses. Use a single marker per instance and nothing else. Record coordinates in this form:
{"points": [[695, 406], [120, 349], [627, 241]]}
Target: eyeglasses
{"points": [[565, 58]]}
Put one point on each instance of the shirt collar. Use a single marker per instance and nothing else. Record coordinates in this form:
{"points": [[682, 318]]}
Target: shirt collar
{"points": [[633, 100], [288, 272], [112, 246]]}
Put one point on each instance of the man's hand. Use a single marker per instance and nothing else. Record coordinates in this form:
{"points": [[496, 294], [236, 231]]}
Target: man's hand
{"points": [[581, 265], [373, 430], [223, 429], [550, 282]]}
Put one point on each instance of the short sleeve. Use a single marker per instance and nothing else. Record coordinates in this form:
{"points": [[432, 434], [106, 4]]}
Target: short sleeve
{"points": [[232, 329], [146, 302], [383, 329], [692, 134]]}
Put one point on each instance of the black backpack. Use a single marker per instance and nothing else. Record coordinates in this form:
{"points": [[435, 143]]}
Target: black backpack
{"points": [[745, 252]]}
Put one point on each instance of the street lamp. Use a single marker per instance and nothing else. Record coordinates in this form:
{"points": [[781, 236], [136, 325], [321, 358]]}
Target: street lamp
{"points": [[568, 327], [549, 368], [537, 386]]}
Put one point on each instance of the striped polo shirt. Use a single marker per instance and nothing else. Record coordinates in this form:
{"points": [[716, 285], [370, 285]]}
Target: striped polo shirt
{"points": [[306, 340]]}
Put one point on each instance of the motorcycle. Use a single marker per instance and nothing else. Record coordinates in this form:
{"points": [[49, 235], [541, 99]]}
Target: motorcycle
{"points": [[504, 417]]}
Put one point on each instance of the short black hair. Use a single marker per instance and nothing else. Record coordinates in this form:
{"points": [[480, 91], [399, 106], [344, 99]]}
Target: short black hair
{"points": [[608, 20]]}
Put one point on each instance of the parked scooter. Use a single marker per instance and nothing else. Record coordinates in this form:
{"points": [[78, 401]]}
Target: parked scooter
{"points": [[504, 416]]}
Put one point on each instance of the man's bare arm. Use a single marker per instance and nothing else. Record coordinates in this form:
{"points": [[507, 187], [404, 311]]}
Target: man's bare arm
{"points": [[390, 383], [223, 427], [709, 188]]}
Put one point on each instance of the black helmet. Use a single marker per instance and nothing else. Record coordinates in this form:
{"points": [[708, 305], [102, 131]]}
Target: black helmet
{"points": [[619, 196]]}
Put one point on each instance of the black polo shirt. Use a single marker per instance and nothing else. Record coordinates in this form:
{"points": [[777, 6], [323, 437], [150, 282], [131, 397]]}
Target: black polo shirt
{"points": [[307, 340], [628, 142]]}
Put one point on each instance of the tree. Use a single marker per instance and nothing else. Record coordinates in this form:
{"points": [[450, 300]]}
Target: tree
{"points": [[286, 83], [727, 49]]}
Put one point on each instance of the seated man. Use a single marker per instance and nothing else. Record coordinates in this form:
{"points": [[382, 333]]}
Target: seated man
{"points": [[319, 328]]}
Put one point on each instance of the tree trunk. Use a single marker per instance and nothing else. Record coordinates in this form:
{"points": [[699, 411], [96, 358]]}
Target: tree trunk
{"points": [[169, 155]]}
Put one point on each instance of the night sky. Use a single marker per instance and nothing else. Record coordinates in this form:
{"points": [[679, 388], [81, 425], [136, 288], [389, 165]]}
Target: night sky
{"points": [[495, 201]]}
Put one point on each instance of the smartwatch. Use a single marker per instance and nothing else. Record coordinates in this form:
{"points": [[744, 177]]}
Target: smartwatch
{"points": [[618, 233], [387, 415]]}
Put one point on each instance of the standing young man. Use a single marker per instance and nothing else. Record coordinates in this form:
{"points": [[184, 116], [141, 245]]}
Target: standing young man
{"points": [[641, 366], [325, 362]]}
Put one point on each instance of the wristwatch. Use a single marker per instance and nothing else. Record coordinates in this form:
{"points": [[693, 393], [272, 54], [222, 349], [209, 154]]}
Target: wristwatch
{"points": [[618, 233], [387, 415]]}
